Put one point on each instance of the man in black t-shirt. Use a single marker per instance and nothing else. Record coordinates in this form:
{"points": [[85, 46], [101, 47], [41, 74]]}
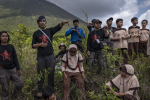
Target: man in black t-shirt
{"points": [[9, 68], [42, 40], [95, 44]]}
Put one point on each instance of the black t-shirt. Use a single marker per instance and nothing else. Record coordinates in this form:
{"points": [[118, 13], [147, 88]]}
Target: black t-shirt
{"points": [[39, 37], [92, 45], [61, 53], [8, 57]]}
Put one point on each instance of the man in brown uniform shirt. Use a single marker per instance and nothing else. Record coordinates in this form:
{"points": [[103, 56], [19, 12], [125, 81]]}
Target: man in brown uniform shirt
{"points": [[134, 37], [72, 67], [119, 37], [144, 34]]}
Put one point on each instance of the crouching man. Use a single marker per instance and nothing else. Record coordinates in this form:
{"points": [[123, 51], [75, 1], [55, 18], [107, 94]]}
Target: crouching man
{"points": [[126, 83], [72, 66]]}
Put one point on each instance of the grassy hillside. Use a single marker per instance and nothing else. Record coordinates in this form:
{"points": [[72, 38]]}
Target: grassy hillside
{"points": [[14, 12]]}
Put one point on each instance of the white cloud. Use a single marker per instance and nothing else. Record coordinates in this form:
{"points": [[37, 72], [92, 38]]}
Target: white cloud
{"points": [[101, 9], [126, 13], [146, 16], [145, 3]]}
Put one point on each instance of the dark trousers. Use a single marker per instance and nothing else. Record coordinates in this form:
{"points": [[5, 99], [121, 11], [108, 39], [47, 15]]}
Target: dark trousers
{"points": [[133, 46], [143, 48], [79, 83], [7, 75], [79, 45], [42, 63], [99, 56]]}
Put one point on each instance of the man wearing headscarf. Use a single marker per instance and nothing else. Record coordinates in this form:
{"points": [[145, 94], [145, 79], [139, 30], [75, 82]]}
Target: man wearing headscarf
{"points": [[126, 83], [72, 66]]}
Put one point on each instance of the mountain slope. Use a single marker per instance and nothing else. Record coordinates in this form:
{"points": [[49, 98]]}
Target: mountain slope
{"points": [[14, 12]]}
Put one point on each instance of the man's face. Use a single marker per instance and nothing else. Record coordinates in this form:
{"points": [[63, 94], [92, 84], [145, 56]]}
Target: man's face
{"points": [[72, 53], [135, 21], [109, 23], [97, 25], [42, 24], [62, 48], [120, 23], [4, 38], [123, 74], [144, 24], [76, 24], [53, 97]]}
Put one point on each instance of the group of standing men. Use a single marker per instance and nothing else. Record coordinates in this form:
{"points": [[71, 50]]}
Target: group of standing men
{"points": [[72, 61]]}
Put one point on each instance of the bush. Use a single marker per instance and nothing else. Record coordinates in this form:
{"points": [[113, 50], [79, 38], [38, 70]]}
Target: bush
{"points": [[95, 87]]}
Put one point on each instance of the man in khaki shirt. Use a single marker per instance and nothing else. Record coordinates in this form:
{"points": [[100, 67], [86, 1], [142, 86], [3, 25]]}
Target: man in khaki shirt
{"points": [[144, 34], [72, 67], [126, 84], [134, 37], [119, 37]]}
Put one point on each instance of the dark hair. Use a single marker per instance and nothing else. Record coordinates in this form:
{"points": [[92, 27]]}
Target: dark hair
{"points": [[93, 20], [118, 20], [145, 20], [48, 92], [134, 18], [109, 19], [6, 33], [41, 17]]}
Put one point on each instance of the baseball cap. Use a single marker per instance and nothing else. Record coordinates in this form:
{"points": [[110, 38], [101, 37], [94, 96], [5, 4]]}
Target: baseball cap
{"points": [[75, 20], [97, 20]]}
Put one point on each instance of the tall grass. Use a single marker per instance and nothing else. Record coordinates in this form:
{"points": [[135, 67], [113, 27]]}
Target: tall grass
{"points": [[95, 87]]}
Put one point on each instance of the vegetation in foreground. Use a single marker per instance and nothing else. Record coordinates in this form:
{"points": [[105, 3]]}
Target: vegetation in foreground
{"points": [[95, 87]]}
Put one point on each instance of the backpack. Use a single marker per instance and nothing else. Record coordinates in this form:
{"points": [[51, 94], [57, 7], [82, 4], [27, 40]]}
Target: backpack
{"points": [[69, 66]]}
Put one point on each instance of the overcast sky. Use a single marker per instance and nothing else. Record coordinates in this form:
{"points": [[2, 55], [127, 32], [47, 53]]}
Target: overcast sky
{"points": [[103, 9]]}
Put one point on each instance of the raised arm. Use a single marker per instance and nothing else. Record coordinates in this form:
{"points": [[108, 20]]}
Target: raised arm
{"points": [[68, 32], [106, 32]]}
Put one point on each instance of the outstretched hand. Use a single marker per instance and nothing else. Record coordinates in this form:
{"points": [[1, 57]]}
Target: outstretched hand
{"points": [[63, 23]]}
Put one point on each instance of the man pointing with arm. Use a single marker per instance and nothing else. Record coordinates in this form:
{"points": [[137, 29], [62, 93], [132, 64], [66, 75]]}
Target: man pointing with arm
{"points": [[42, 40]]}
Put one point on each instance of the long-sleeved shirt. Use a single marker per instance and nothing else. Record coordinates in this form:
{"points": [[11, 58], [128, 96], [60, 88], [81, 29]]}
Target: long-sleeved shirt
{"points": [[92, 45], [39, 37], [61, 53], [8, 57], [74, 35], [90, 28]]}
